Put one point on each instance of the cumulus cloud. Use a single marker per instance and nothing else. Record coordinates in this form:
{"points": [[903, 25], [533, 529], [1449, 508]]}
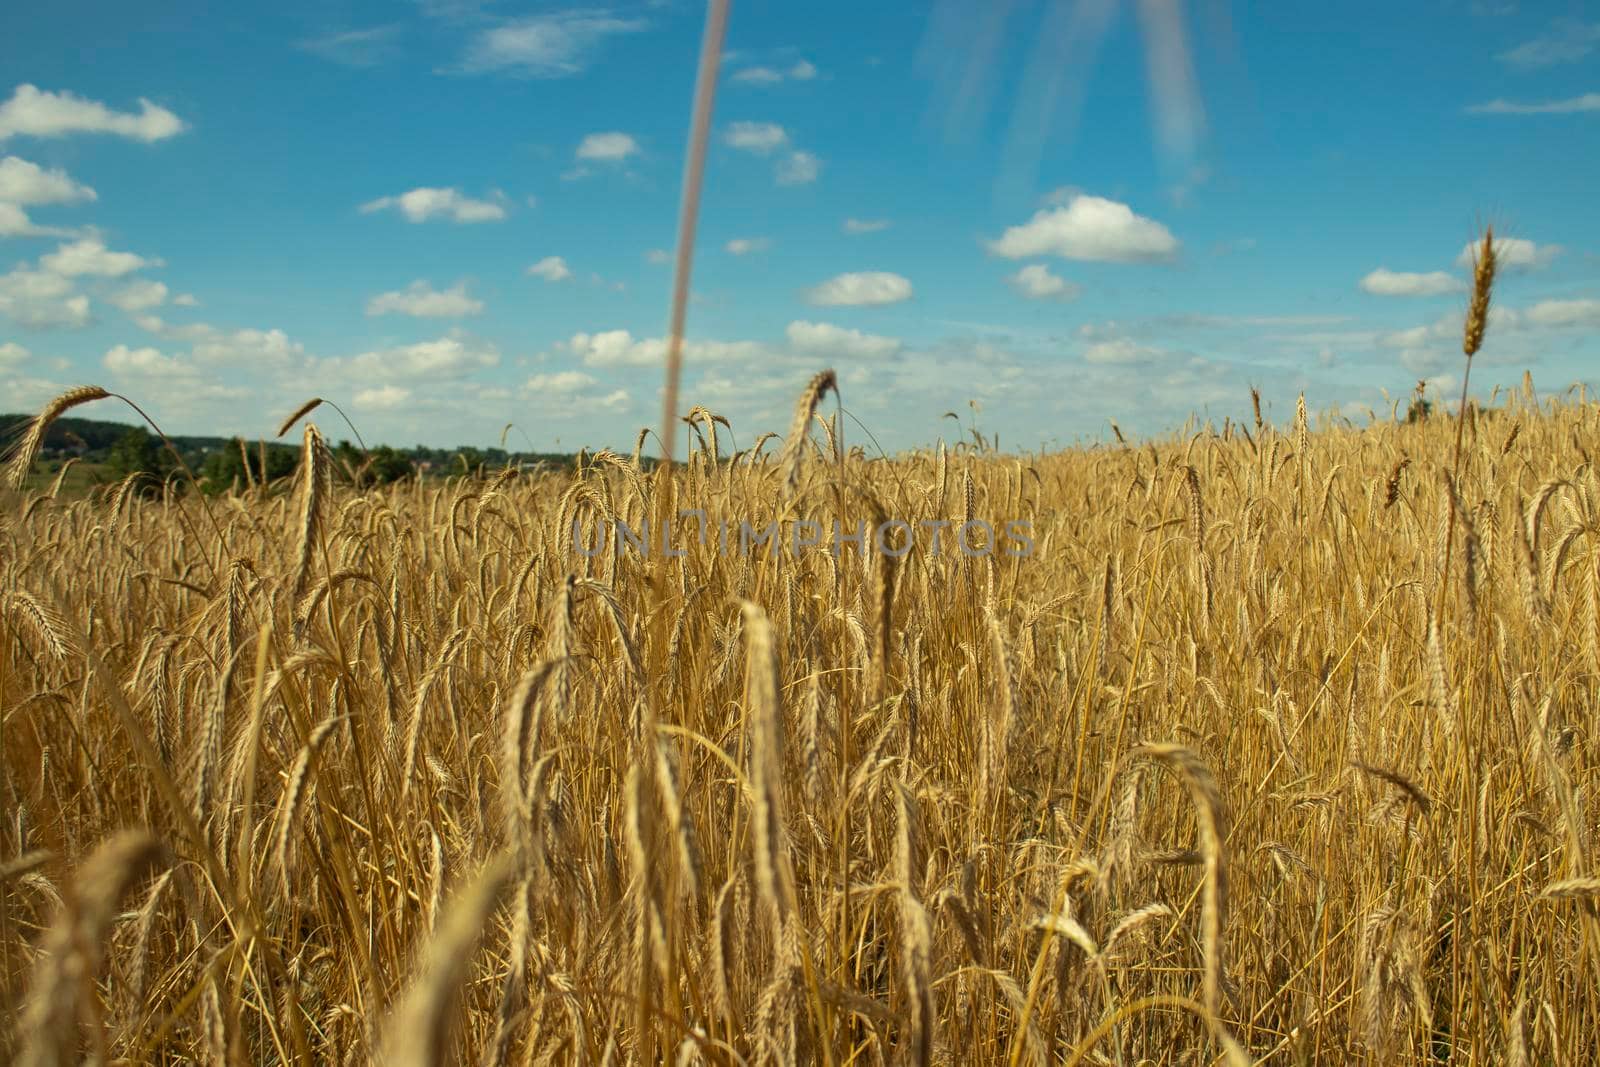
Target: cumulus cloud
{"points": [[1385, 282], [743, 246], [454, 356], [1569, 106], [421, 300], [186, 300], [823, 339], [422, 204], [139, 295], [1562, 313], [90, 256], [1511, 253], [12, 355], [798, 168], [566, 381], [865, 225], [761, 138], [800, 71], [34, 112], [860, 289], [22, 182], [1121, 350], [556, 45], [611, 147], [551, 269], [245, 348], [1037, 283], [658, 257], [41, 300], [380, 398], [144, 363], [1088, 228], [1568, 42], [14, 222], [619, 348]]}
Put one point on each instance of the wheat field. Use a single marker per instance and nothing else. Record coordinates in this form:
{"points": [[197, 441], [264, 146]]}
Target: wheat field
{"points": [[1275, 749]]}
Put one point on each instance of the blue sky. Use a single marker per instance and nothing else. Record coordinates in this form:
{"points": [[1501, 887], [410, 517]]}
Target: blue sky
{"points": [[449, 215]]}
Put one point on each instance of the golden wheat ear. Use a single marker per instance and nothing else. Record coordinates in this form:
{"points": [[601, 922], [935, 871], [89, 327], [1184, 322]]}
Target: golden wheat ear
{"points": [[28, 448]]}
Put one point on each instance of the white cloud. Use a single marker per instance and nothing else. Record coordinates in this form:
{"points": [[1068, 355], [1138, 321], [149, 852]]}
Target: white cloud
{"points": [[244, 348], [822, 339], [1385, 282], [566, 381], [139, 295], [1511, 253], [861, 288], [801, 71], [608, 147], [38, 113], [89, 256], [762, 138], [22, 182], [144, 363], [1568, 42], [551, 269], [619, 348], [1120, 351], [658, 257], [41, 299], [422, 204], [800, 168], [556, 45], [1572, 105], [381, 398], [1037, 283], [1088, 228], [12, 355], [14, 222], [454, 356], [743, 246], [1558, 313], [865, 225], [356, 48], [186, 300], [421, 300]]}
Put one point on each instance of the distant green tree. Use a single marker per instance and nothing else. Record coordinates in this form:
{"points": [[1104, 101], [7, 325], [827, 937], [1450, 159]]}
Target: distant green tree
{"points": [[389, 465], [139, 452], [225, 466]]}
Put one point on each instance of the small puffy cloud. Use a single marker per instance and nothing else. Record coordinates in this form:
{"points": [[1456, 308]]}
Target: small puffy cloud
{"points": [[743, 246], [454, 356], [1088, 228], [381, 398], [40, 300], [551, 269], [1567, 42], [421, 300], [186, 300], [14, 222], [572, 392], [619, 348], [1569, 106], [865, 225], [144, 363], [612, 147], [22, 182], [658, 257], [139, 295], [12, 355], [34, 112], [566, 381], [422, 204], [1037, 283], [356, 48], [822, 339], [556, 45], [245, 348], [1385, 282], [1561, 313], [89, 256], [762, 138], [1511, 253], [801, 71], [1119, 351], [798, 168], [861, 288]]}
